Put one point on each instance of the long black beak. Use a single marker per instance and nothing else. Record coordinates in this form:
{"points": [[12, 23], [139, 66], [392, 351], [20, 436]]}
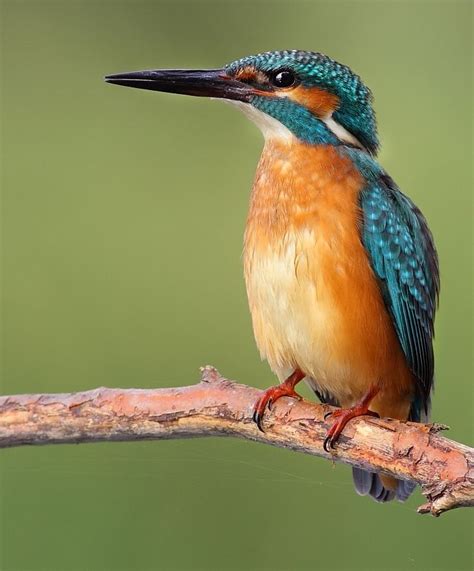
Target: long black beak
{"points": [[201, 83]]}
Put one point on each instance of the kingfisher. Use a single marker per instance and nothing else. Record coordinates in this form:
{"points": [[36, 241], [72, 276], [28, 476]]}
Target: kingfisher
{"points": [[340, 266]]}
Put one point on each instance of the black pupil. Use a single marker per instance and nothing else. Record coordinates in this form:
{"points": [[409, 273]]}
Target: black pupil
{"points": [[283, 79]]}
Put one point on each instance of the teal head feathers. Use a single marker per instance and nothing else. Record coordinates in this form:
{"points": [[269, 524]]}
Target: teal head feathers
{"points": [[308, 94], [312, 95]]}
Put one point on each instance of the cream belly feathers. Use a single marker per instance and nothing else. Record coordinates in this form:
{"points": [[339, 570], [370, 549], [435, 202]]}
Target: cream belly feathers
{"points": [[314, 300]]}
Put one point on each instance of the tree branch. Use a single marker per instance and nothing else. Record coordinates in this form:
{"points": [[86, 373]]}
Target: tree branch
{"points": [[219, 407]]}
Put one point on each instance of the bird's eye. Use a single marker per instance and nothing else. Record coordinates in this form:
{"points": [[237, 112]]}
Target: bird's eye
{"points": [[283, 78]]}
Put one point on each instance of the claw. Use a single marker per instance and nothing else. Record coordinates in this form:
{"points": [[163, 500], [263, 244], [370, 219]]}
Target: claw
{"points": [[327, 444], [271, 395], [257, 418], [343, 416]]}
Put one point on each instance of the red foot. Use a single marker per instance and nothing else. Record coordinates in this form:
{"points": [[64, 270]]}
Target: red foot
{"points": [[343, 416], [271, 395]]}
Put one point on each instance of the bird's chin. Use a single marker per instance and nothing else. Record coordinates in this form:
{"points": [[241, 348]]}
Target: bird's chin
{"points": [[270, 127]]}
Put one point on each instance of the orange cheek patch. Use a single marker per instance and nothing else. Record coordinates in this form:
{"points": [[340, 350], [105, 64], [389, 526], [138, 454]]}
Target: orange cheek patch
{"points": [[319, 102], [251, 74]]}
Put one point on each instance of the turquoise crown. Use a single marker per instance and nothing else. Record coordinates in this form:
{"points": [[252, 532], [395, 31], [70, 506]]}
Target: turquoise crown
{"points": [[355, 112]]}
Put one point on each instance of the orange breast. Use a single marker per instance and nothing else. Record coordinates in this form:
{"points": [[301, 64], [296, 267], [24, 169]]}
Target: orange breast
{"points": [[314, 300]]}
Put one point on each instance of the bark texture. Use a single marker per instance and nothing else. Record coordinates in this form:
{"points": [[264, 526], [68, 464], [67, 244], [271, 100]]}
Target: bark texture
{"points": [[219, 407]]}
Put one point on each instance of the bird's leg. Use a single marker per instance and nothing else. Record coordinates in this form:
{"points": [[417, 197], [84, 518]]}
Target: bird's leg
{"points": [[343, 415], [271, 395]]}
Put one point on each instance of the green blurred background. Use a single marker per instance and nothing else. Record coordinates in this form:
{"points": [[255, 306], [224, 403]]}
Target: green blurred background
{"points": [[123, 214]]}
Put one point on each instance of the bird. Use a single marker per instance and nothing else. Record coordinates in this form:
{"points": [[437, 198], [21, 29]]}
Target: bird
{"points": [[340, 266]]}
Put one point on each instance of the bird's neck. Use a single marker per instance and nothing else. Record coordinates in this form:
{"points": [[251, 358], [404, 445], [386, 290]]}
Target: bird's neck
{"points": [[312, 128], [296, 186]]}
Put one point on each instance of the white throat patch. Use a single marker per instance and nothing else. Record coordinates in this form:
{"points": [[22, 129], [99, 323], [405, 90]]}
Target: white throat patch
{"points": [[273, 129], [270, 127]]}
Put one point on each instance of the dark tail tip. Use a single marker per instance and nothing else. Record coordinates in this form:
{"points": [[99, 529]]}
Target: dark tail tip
{"points": [[370, 484]]}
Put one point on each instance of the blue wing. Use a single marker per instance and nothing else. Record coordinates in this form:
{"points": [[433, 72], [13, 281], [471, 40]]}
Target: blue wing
{"points": [[403, 257]]}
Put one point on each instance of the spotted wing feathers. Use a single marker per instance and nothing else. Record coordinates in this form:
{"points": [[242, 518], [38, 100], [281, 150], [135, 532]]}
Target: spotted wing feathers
{"points": [[404, 259]]}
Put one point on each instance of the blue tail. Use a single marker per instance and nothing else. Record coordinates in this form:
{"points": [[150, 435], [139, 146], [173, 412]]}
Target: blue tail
{"points": [[370, 484]]}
